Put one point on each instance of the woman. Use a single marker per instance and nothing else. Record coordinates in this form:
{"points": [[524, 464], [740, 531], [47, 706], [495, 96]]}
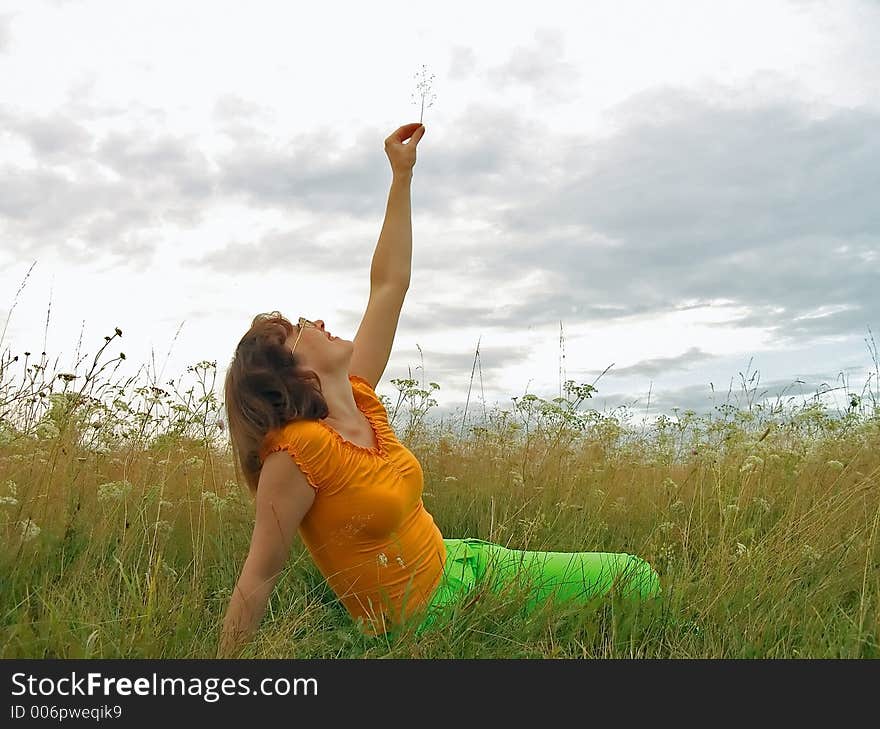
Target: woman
{"points": [[317, 451]]}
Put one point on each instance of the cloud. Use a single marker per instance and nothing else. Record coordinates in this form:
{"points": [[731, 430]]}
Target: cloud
{"points": [[696, 195], [661, 365], [463, 63], [540, 67]]}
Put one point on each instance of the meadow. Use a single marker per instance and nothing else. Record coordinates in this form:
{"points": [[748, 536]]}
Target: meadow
{"points": [[123, 529]]}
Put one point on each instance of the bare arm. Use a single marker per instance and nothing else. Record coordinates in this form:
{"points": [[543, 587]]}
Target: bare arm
{"points": [[284, 496], [246, 610], [392, 259]]}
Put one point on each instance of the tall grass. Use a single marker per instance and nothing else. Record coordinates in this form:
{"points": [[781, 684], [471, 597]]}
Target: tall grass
{"points": [[123, 531]]}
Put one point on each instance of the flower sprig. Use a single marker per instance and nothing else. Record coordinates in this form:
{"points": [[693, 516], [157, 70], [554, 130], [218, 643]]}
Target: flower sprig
{"points": [[423, 89]]}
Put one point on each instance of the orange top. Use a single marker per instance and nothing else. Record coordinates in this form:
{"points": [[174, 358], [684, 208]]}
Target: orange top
{"points": [[367, 530]]}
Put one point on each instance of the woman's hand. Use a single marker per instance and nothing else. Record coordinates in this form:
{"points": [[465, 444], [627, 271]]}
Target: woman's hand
{"points": [[403, 156]]}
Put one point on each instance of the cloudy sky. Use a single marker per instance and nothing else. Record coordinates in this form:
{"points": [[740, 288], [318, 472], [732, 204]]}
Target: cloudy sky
{"points": [[689, 190]]}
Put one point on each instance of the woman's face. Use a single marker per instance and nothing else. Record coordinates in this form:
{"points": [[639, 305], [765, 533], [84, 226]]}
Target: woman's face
{"points": [[318, 349]]}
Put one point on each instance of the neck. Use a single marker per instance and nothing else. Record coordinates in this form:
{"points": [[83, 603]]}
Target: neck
{"points": [[336, 388]]}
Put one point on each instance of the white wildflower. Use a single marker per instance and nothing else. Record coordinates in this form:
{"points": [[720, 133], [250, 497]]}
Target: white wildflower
{"points": [[401, 562], [29, 529], [6, 435], [676, 505], [382, 559], [163, 504], [763, 503], [47, 430], [162, 527], [668, 483], [8, 501], [114, 491], [665, 527], [12, 487], [216, 501], [194, 462]]}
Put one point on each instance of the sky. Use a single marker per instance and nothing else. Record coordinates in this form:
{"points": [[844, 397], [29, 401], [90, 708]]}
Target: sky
{"points": [[676, 202]]}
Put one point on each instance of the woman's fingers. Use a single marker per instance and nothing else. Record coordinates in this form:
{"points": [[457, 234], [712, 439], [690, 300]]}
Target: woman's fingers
{"points": [[404, 132]]}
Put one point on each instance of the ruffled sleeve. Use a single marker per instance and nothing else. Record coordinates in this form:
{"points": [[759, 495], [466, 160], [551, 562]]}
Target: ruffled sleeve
{"points": [[369, 400], [307, 443]]}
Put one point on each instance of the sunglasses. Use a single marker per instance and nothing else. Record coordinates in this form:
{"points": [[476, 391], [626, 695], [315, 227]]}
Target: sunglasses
{"points": [[301, 323]]}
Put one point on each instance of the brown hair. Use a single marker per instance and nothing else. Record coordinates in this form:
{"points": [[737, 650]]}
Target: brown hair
{"points": [[265, 389]]}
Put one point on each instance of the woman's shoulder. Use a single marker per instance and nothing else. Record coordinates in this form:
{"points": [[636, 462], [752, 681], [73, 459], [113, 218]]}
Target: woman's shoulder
{"points": [[367, 397], [305, 435]]}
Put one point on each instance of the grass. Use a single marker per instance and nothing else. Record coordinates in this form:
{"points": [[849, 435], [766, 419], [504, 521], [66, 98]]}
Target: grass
{"points": [[123, 531]]}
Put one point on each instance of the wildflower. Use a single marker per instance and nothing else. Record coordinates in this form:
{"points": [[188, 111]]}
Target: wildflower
{"points": [[774, 458], [667, 553], [162, 527], [668, 483], [29, 530], [8, 501], [47, 430], [6, 435], [665, 527], [834, 465], [11, 487], [216, 501], [762, 502], [114, 491], [193, 462], [812, 554], [400, 561], [382, 559], [163, 504], [751, 463]]}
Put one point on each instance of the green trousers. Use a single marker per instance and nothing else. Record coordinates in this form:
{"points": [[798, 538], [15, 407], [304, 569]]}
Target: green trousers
{"points": [[578, 576]]}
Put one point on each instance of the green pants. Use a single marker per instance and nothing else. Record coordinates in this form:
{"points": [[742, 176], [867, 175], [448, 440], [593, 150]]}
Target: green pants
{"points": [[578, 576]]}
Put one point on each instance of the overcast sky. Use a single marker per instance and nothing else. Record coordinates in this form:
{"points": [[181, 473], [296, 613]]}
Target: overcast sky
{"points": [[687, 187]]}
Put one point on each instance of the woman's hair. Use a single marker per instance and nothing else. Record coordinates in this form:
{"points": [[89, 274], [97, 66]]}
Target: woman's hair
{"points": [[265, 389]]}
